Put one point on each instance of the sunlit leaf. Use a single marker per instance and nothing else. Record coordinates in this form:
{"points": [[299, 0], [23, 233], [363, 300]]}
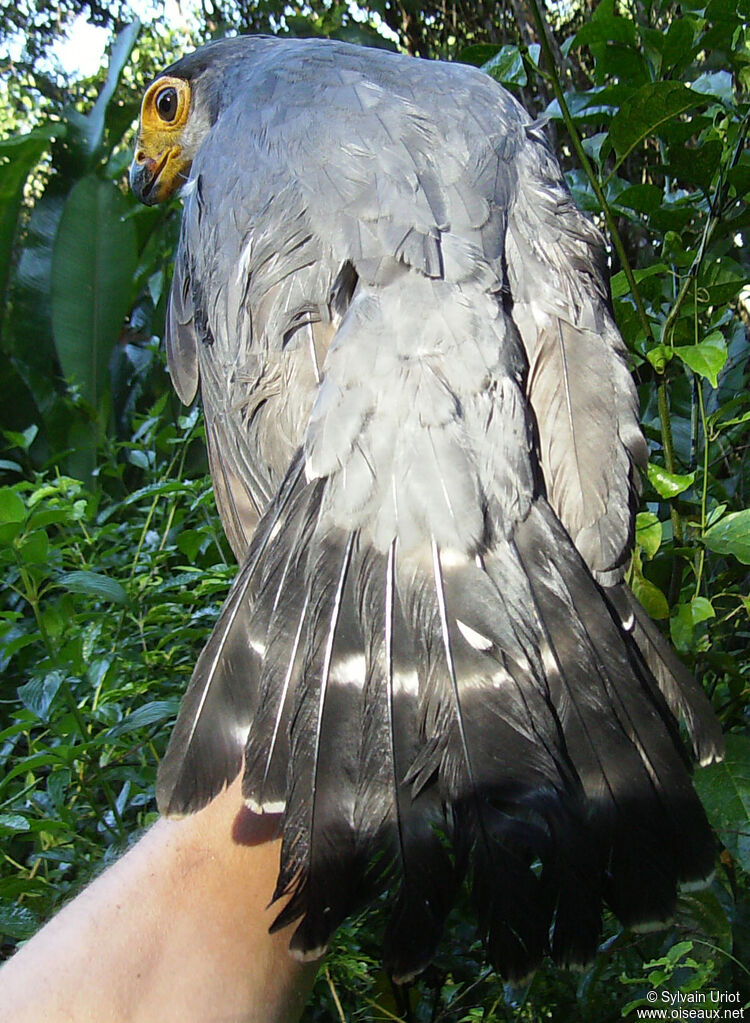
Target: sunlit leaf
{"points": [[731, 535], [652, 106], [650, 596], [648, 533], [668, 484], [707, 358]]}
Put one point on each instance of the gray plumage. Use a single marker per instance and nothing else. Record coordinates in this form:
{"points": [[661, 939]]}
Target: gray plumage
{"points": [[425, 448]]}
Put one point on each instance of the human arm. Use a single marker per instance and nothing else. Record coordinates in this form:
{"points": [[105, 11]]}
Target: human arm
{"points": [[175, 930]]}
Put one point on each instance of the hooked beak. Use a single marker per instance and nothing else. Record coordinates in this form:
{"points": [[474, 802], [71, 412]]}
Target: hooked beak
{"points": [[154, 180]]}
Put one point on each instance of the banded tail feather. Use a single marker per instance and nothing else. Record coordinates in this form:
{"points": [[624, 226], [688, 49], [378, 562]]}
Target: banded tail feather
{"points": [[420, 715]]}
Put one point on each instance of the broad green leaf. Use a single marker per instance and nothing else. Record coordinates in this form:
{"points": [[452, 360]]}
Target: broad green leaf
{"points": [[715, 83], [604, 26], [507, 66], [38, 694], [668, 484], [702, 609], [643, 198], [731, 535], [678, 41], [12, 508], [683, 622], [620, 284], [650, 596], [92, 273], [16, 921], [648, 109], [94, 584], [11, 823], [648, 533], [156, 712], [725, 791], [707, 358], [479, 54], [697, 164], [18, 157], [34, 548], [28, 329], [723, 278], [190, 542]]}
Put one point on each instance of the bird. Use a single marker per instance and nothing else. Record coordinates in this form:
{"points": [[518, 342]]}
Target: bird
{"points": [[425, 449]]}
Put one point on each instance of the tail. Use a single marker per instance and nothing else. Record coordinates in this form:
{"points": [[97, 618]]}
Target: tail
{"points": [[420, 716]]}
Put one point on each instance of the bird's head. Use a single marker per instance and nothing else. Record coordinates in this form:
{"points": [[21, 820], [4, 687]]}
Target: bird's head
{"points": [[180, 107], [163, 151], [177, 112]]}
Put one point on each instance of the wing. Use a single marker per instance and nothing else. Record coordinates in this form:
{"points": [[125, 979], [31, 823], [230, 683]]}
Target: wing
{"points": [[415, 648], [579, 387]]}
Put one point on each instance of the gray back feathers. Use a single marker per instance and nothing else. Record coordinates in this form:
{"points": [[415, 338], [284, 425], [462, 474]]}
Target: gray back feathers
{"points": [[425, 449]]}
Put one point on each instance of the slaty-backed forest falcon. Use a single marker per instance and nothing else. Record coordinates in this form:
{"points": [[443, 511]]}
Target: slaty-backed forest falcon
{"points": [[425, 451]]}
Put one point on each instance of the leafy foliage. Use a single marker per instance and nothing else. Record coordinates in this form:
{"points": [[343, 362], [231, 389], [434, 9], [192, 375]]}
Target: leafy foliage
{"points": [[111, 584]]}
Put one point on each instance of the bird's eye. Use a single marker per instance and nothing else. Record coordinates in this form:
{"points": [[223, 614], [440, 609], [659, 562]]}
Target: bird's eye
{"points": [[166, 104]]}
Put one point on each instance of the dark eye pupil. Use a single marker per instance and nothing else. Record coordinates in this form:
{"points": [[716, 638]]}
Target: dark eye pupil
{"points": [[166, 104]]}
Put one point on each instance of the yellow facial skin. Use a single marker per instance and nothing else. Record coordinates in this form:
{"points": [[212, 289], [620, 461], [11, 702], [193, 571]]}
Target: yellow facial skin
{"points": [[160, 165]]}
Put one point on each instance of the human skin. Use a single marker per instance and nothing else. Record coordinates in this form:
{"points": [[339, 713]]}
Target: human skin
{"points": [[176, 930]]}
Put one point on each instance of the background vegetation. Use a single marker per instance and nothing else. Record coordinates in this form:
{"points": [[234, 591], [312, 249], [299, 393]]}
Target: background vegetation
{"points": [[113, 563]]}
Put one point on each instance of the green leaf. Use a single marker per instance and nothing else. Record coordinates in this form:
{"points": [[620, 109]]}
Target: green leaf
{"points": [[94, 584], [668, 484], [22, 154], [507, 66], [725, 791], [190, 542], [648, 533], [38, 694], [678, 41], [649, 596], [715, 83], [34, 549], [648, 109], [12, 508], [156, 712], [16, 921], [707, 358], [478, 54], [642, 198], [12, 823], [696, 164], [683, 622], [605, 26], [93, 265], [731, 535], [620, 284]]}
